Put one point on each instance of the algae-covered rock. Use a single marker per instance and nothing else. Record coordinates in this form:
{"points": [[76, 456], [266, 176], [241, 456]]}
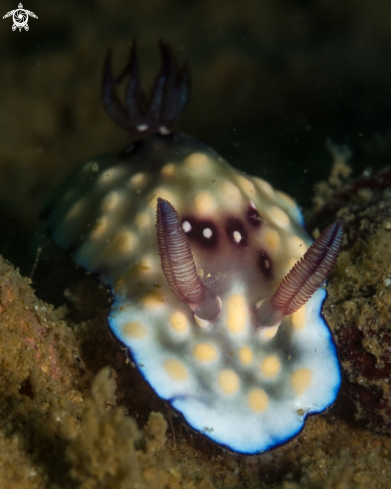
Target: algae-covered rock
{"points": [[103, 454], [359, 304], [40, 397]]}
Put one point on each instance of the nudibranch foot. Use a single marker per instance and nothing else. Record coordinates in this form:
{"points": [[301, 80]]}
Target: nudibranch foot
{"points": [[304, 279], [169, 96]]}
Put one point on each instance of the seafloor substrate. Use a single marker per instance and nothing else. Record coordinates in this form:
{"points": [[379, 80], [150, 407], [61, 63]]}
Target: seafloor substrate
{"points": [[359, 304]]}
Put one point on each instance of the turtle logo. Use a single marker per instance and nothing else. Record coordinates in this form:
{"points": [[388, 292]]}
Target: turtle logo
{"points": [[20, 16]]}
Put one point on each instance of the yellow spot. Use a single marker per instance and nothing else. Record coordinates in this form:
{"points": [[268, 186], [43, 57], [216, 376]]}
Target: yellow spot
{"points": [[152, 299], [141, 267], [109, 176], [197, 161], [145, 264], [110, 202], [142, 220], [231, 193], [124, 241], [200, 273], [265, 187], [236, 313], [179, 322], [137, 179], [204, 203], [99, 228], [133, 274], [74, 211], [288, 200], [271, 366], [299, 318], [134, 329], [245, 355], [205, 352], [168, 170], [228, 381], [301, 380], [297, 246], [258, 399], [279, 217], [272, 239], [247, 186], [176, 370]]}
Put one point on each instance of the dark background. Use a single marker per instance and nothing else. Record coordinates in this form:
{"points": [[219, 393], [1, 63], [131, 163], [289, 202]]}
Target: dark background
{"points": [[271, 82]]}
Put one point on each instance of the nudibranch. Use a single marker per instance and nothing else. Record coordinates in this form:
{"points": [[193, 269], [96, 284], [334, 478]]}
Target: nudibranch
{"points": [[216, 284]]}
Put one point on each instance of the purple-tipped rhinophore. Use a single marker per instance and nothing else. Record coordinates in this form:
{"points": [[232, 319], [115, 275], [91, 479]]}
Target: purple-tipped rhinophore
{"points": [[305, 278], [178, 263], [169, 95]]}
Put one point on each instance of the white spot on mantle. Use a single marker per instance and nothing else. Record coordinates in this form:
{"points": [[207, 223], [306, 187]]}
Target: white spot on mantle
{"points": [[207, 233], [186, 226]]}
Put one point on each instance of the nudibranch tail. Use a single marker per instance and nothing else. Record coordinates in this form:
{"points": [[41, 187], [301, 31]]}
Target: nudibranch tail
{"points": [[178, 263], [169, 96], [305, 278]]}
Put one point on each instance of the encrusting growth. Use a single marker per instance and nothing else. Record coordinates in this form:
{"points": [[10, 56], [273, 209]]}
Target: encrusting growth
{"points": [[305, 278], [178, 263]]}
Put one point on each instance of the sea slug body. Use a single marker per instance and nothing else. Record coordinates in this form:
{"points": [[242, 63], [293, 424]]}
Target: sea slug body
{"points": [[201, 261]]}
